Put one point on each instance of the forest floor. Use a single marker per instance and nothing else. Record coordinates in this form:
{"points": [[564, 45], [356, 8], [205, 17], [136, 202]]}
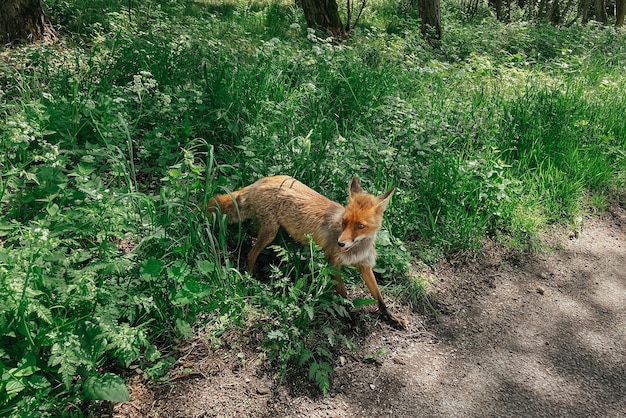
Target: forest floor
{"points": [[534, 335]]}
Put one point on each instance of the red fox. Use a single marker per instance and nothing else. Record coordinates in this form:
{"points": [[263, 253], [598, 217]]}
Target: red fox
{"points": [[346, 234]]}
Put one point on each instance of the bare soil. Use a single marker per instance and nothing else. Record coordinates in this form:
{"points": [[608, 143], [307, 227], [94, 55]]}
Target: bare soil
{"points": [[536, 335]]}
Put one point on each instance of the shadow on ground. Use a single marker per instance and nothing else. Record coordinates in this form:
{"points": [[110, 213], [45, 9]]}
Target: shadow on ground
{"points": [[541, 336]]}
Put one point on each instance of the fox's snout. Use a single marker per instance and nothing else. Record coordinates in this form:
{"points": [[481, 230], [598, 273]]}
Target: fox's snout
{"points": [[346, 241], [345, 246]]}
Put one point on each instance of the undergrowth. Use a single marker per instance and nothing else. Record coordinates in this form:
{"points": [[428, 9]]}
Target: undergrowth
{"points": [[111, 136]]}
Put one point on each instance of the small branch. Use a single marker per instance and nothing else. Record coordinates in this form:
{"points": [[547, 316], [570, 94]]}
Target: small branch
{"points": [[349, 11], [363, 4]]}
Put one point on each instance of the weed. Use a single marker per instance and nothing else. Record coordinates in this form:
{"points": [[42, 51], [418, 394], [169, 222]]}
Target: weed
{"points": [[302, 314]]}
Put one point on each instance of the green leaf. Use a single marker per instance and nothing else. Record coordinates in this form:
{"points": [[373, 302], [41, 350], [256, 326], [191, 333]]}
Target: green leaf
{"points": [[52, 209], [38, 382], [206, 267], [14, 386], [152, 267], [362, 302], [313, 369], [275, 335], [184, 328], [26, 367], [152, 353], [383, 239], [309, 310], [305, 355], [108, 387]]}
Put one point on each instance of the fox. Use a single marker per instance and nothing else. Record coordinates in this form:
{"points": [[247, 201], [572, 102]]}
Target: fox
{"points": [[345, 234]]}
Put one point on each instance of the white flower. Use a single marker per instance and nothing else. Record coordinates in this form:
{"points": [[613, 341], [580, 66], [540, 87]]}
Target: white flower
{"points": [[43, 233]]}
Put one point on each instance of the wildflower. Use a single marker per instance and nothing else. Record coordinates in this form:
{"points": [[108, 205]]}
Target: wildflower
{"points": [[43, 233]]}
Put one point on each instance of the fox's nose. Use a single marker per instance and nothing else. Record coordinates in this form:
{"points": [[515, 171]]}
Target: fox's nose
{"points": [[341, 244]]}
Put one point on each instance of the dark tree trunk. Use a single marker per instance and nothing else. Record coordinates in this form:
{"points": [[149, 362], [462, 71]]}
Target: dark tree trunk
{"points": [[601, 11], [497, 6], [21, 20], [502, 9], [620, 12], [555, 13], [430, 19], [585, 6], [323, 14]]}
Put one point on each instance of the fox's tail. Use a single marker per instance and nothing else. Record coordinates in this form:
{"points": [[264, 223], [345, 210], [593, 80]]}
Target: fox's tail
{"points": [[233, 205]]}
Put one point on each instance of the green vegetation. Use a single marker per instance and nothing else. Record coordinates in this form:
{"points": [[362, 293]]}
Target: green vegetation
{"points": [[110, 137]]}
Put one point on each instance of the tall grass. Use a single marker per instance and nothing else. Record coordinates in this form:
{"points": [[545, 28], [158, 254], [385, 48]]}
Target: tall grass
{"points": [[111, 137]]}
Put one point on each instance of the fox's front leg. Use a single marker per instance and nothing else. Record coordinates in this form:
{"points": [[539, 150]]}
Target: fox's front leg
{"points": [[370, 282]]}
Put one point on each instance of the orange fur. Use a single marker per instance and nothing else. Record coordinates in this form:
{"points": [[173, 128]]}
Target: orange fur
{"points": [[346, 234]]}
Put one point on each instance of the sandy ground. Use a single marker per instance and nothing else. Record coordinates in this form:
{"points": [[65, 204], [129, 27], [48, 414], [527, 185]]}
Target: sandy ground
{"points": [[532, 336]]}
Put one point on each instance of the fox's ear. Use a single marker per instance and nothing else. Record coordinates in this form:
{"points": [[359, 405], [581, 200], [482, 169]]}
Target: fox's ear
{"points": [[355, 186], [385, 198]]}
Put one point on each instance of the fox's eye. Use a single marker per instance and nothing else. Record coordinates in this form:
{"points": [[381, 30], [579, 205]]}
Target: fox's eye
{"points": [[360, 226], [344, 223]]}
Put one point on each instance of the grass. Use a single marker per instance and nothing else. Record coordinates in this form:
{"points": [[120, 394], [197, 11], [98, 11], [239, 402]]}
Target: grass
{"points": [[111, 136]]}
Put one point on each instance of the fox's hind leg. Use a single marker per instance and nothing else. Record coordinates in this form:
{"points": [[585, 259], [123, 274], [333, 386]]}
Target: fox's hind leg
{"points": [[267, 233]]}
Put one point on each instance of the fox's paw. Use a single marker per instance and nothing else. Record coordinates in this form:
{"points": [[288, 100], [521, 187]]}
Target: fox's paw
{"points": [[395, 321]]}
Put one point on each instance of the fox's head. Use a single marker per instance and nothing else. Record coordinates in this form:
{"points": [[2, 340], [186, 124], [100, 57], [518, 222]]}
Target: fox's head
{"points": [[363, 216]]}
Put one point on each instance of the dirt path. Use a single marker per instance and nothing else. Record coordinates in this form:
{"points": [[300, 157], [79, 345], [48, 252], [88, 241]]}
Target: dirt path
{"points": [[543, 336]]}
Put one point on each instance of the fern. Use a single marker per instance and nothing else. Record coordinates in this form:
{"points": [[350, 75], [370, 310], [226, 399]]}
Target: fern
{"points": [[67, 353], [126, 342], [320, 373]]}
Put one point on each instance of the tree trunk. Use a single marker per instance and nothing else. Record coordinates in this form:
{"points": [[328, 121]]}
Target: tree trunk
{"points": [[21, 20], [430, 19], [620, 11], [497, 6], [323, 14], [601, 11], [585, 6], [555, 13]]}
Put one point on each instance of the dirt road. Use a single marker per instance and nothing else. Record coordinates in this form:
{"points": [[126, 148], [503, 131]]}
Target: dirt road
{"points": [[544, 335]]}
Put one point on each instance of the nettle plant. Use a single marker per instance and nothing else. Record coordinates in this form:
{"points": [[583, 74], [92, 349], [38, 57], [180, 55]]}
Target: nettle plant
{"points": [[66, 302], [75, 298], [301, 312], [63, 290]]}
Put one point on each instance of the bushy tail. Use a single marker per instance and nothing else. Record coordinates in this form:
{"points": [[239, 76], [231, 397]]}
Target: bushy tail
{"points": [[232, 205]]}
